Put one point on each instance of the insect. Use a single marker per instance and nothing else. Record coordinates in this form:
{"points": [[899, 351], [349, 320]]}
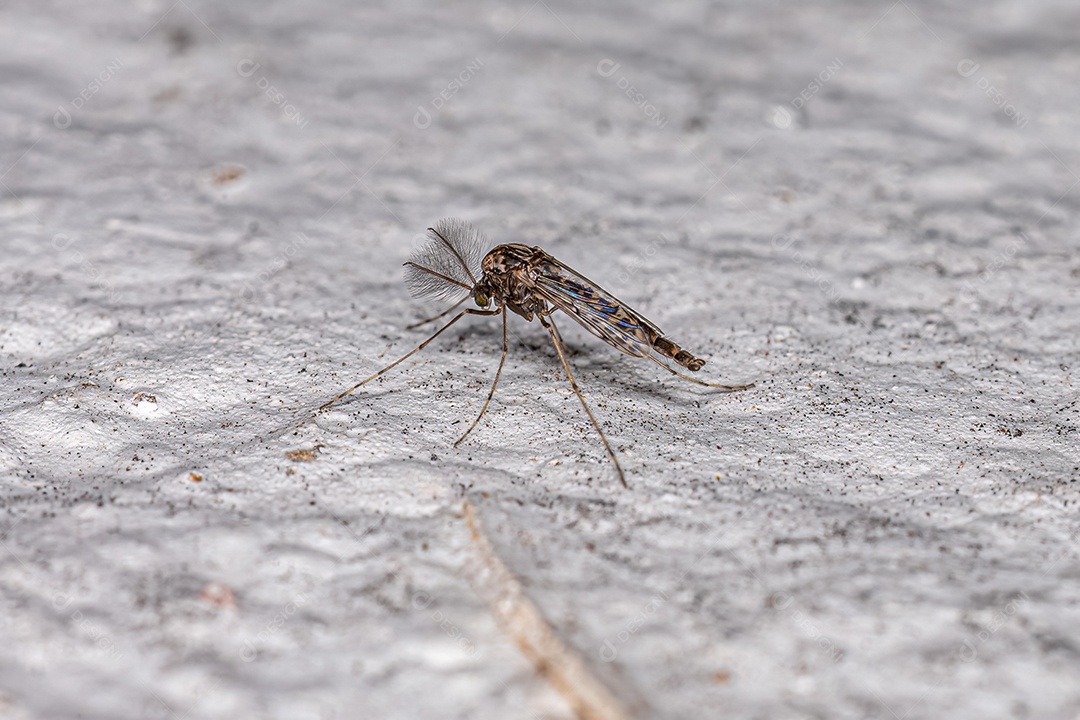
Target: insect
{"points": [[452, 266]]}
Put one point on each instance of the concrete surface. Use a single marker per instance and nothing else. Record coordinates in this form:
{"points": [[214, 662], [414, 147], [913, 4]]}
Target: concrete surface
{"points": [[869, 209]]}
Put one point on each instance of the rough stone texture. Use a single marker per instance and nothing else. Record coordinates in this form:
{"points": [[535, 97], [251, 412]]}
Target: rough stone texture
{"points": [[867, 208]]}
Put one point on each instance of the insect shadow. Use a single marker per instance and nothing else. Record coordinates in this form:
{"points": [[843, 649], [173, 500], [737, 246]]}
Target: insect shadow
{"points": [[453, 266]]}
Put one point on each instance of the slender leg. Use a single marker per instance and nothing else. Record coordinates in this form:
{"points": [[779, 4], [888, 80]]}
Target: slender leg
{"points": [[418, 348], [443, 314], [557, 340], [492, 393], [728, 388]]}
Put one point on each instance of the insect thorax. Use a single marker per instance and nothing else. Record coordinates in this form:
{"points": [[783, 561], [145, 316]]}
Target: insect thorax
{"points": [[508, 272]]}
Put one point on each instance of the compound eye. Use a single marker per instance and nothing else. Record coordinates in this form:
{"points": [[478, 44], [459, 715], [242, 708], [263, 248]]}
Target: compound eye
{"points": [[481, 299]]}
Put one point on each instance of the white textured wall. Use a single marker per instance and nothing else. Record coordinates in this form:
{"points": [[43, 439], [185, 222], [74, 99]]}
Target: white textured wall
{"points": [[870, 209]]}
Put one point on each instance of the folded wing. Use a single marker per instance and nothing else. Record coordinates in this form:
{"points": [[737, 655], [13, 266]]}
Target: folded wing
{"points": [[599, 312]]}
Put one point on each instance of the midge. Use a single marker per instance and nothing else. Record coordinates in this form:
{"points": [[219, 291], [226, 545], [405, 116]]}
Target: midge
{"points": [[531, 283]]}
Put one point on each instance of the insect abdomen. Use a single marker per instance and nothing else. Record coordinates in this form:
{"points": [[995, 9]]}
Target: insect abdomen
{"points": [[669, 349]]}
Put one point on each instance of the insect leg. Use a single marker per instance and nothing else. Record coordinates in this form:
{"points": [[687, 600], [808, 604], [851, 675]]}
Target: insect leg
{"points": [[493, 384], [444, 313], [728, 388], [418, 348], [557, 340]]}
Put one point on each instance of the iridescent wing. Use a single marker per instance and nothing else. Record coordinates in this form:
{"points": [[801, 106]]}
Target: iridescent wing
{"points": [[597, 310]]}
